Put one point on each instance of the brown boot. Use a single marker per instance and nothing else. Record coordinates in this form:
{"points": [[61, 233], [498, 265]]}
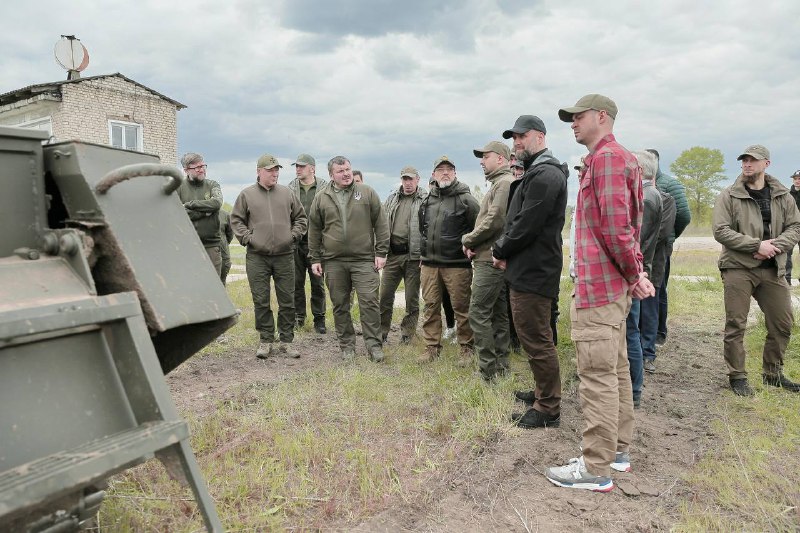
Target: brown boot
{"points": [[465, 356], [429, 355]]}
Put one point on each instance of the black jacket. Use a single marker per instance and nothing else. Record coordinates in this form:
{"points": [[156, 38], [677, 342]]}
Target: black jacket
{"points": [[444, 217], [531, 242]]}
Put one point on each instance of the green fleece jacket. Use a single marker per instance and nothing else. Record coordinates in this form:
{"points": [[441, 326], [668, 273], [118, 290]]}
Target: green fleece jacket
{"points": [[202, 201], [347, 225], [268, 221]]}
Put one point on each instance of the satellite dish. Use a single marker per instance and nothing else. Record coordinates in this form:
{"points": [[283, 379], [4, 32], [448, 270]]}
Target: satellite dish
{"points": [[71, 55]]}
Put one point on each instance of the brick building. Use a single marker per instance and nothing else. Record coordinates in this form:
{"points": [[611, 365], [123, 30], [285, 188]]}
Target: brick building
{"points": [[106, 109]]}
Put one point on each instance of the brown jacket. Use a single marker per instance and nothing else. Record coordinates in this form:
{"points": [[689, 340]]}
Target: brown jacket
{"points": [[268, 221], [492, 216], [739, 228]]}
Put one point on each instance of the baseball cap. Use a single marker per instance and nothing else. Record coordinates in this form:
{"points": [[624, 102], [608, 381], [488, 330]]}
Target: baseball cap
{"points": [[305, 159], [524, 124], [409, 171], [756, 151], [443, 159], [796, 174], [518, 164], [268, 161], [496, 147], [598, 102]]}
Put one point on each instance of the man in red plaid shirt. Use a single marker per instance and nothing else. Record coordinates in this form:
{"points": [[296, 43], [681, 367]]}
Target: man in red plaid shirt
{"points": [[609, 272]]}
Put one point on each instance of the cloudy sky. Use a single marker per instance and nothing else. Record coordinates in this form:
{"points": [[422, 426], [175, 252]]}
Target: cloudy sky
{"points": [[390, 83]]}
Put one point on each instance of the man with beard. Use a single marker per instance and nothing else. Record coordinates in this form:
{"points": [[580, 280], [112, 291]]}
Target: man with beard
{"points": [[202, 199], [530, 251], [757, 223], [488, 316], [445, 216]]}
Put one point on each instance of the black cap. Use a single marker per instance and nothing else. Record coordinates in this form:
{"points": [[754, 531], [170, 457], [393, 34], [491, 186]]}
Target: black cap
{"points": [[524, 124]]}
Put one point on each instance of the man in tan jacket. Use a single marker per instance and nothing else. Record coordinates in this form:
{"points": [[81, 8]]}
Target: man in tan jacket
{"points": [[757, 222], [488, 308], [268, 219]]}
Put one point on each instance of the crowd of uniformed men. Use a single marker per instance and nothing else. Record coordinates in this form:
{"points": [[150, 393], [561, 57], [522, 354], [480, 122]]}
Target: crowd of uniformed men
{"points": [[499, 263]]}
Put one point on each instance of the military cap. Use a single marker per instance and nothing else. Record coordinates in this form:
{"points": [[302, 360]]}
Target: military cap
{"points": [[598, 102], [410, 172], [756, 151], [496, 147], [518, 164], [305, 159], [524, 124], [443, 159], [796, 174], [268, 161]]}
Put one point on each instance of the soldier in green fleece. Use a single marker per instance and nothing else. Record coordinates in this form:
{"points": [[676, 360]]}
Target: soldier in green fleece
{"points": [[348, 239], [202, 199]]}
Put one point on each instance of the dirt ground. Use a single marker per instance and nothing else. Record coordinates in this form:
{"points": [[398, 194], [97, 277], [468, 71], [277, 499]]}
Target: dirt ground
{"points": [[504, 489]]}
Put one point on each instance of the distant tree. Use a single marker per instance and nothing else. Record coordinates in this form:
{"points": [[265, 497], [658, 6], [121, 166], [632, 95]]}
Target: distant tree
{"points": [[700, 170]]}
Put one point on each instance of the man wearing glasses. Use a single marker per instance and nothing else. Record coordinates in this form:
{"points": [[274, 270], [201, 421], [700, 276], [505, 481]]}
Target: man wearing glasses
{"points": [[202, 199]]}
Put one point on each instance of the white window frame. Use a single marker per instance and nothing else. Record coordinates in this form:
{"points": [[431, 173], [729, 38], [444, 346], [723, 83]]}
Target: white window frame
{"points": [[139, 133], [36, 123]]}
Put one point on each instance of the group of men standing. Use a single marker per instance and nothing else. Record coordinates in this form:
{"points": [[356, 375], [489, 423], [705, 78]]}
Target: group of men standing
{"points": [[441, 241]]}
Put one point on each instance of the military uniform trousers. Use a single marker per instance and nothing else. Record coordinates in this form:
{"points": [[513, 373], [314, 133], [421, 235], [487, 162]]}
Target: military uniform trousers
{"points": [[225, 262], [400, 267], [302, 266], [773, 297], [216, 258], [457, 281], [488, 318], [280, 268], [341, 278], [605, 382]]}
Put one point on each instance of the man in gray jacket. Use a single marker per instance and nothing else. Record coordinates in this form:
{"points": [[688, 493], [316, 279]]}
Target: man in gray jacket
{"points": [[757, 223], [402, 263]]}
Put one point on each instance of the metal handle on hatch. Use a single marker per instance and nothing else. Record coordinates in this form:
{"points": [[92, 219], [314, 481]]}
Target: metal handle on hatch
{"points": [[142, 169]]}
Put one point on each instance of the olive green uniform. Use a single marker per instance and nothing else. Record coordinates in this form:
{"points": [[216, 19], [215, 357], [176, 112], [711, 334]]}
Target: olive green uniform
{"points": [[347, 230], [269, 222], [402, 263], [202, 201], [302, 263], [226, 236]]}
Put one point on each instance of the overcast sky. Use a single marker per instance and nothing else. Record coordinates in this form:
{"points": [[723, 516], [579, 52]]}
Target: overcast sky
{"points": [[390, 83]]}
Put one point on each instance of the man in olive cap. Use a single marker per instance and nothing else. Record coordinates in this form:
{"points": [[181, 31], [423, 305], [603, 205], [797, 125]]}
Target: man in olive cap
{"points": [[402, 263], [448, 212], [610, 271], [757, 222], [529, 249], [268, 219], [488, 314], [306, 186]]}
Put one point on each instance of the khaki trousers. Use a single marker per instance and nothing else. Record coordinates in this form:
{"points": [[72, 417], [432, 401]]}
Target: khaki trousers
{"points": [[773, 297], [400, 267], [457, 280], [605, 387]]}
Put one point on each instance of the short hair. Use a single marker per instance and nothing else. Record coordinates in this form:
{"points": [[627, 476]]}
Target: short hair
{"points": [[648, 162], [654, 152], [338, 160], [190, 158], [358, 173]]}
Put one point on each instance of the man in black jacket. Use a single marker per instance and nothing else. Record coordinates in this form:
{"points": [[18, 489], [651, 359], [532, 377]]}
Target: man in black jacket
{"points": [[530, 251]]}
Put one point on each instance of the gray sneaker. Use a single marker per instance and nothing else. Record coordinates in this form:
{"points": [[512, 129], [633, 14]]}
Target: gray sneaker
{"points": [[264, 350], [348, 354], [650, 366], [376, 354], [622, 462], [575, 476]]}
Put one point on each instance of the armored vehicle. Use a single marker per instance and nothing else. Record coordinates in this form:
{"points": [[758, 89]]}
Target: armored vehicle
{"points": [[104, 288]]}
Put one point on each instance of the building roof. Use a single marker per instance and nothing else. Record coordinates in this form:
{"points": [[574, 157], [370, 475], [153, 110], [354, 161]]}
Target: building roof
{"points": [[52, 87]]}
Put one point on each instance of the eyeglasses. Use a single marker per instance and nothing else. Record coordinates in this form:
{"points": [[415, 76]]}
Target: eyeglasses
{"points": [[198, 167]]}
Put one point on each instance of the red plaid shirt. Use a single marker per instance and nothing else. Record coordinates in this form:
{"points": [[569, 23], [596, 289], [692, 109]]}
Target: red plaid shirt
{"points": [[609, 217]]}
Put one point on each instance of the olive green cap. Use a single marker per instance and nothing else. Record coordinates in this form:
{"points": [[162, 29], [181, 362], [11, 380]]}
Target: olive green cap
{"points": [[268, 161], [305, 159], [496, 147], [443, 159], [598, 102], [756, 151], [409, 171]]}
